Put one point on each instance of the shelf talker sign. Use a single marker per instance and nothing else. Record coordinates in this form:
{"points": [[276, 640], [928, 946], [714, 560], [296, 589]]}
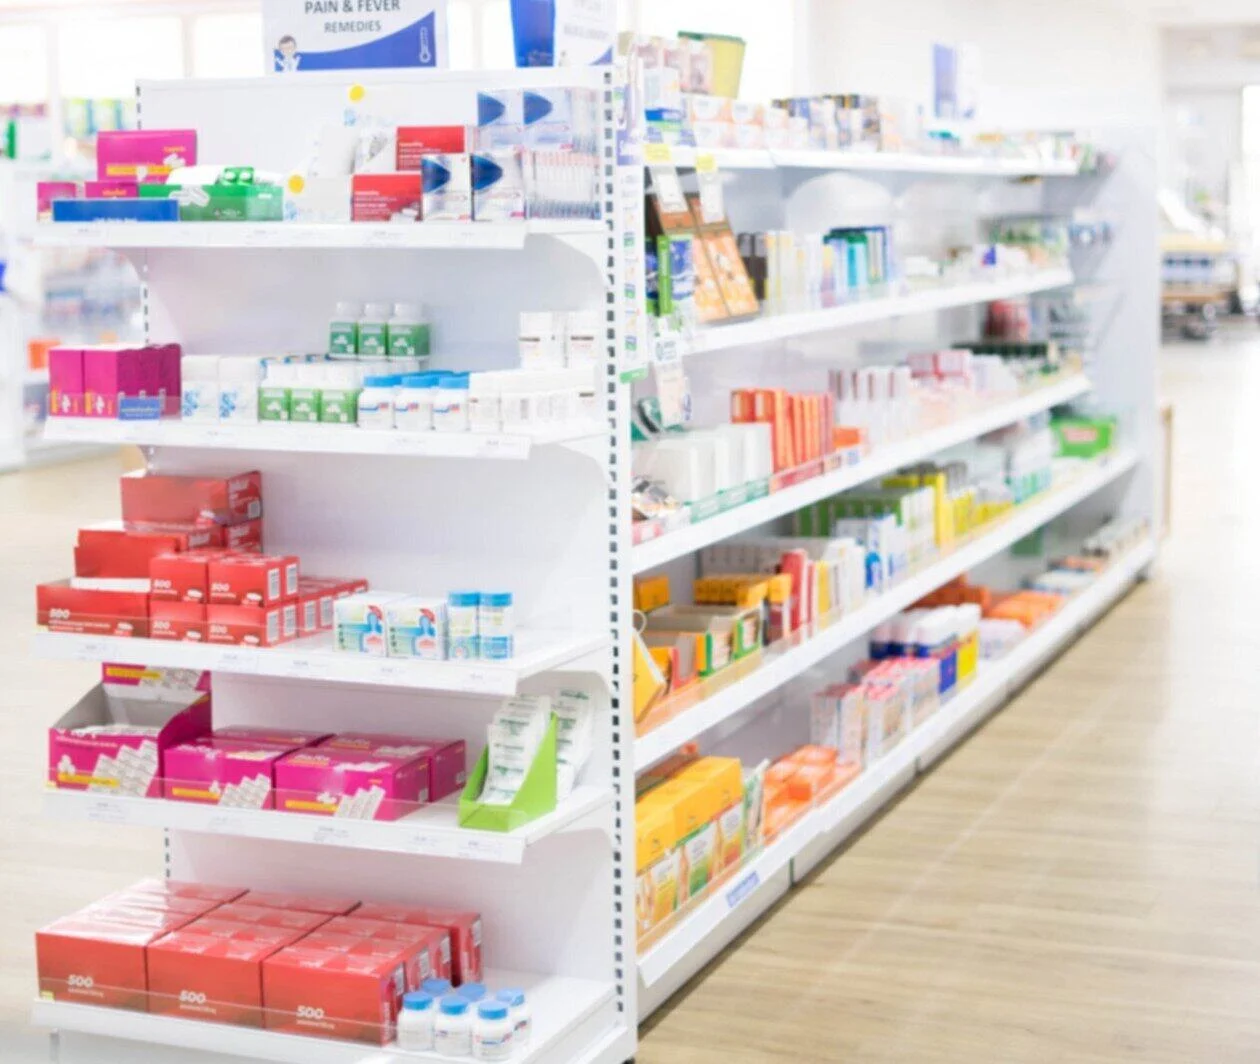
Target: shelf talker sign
{"points": [[305, 35]]}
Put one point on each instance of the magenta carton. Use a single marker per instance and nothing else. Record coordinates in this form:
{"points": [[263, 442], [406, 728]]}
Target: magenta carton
{"points": [[144, 154], [350, 783], [114, 740], [113, 372], [446, 759], [294, 740], [65, 382], [222, 772], [117, 188], [47, 191]]}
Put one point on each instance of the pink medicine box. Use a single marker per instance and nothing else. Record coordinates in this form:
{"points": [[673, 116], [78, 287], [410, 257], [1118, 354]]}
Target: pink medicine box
{"points": [[114, 740], [144, 154], [350, 783], [65, 382], [222, 772], [446, 760]]}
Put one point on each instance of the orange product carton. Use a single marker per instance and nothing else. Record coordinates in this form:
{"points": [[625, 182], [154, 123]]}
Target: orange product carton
{"points": [[434, 943], [264, 916], [89, 959], [307, 903], [462, 925], [177, 888], [724, 776], [813, 755], [217, 977], [656, 863], [809, 782], [416, 966], [353, 995]]}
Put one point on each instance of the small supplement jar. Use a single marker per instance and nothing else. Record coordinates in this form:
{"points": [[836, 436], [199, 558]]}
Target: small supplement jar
{"points": [[473, 992], [439, 988], [452, 1027], [519, 1013], [495, 625], [462, 608], [492, 1032], [415, 1021], [376, 402], [413, 403]]}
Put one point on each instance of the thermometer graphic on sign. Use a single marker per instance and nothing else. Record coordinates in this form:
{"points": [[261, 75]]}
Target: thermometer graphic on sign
{"points": [[426, 53]]}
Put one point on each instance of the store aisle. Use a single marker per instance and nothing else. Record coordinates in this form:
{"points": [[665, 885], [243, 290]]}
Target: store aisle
{"points": [[1080, 881]]}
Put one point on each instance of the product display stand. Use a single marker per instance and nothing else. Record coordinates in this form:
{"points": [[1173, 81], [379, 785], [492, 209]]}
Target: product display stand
{"points": [[550, 519]]}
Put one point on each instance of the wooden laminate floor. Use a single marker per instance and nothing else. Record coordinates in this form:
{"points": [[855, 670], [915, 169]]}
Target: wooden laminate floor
{"points": [[1079, 882]]}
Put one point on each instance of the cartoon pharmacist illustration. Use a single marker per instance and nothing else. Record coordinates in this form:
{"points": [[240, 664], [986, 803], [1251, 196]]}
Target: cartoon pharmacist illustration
{"points": [[286, 55]]}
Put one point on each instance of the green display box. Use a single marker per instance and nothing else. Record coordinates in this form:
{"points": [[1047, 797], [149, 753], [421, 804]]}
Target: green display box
{"points": [[1084, 437], [225, 203], [537, 796]]}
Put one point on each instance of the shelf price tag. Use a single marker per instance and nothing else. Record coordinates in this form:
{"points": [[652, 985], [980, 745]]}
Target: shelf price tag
{"points": [[331, 836], [225, 824], [236, 661], [106, 811], [479, 848], [741, 891]]}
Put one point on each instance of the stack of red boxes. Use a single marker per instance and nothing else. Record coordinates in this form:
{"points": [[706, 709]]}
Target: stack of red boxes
{"points": [[306, 965], [186, 563]]}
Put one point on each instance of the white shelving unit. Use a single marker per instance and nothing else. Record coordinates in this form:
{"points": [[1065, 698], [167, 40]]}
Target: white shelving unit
{"points": [[549, 518], [879, 307]]}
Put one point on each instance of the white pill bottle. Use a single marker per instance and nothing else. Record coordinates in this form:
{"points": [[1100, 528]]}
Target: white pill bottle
{"points": [[520, 1014], [415, 1021], [492, 1032], [452, 1027]]}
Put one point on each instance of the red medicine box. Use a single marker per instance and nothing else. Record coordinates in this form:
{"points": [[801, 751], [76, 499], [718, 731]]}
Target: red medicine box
{"points": [[353, 995], [434, 958], [182, 576], [463, 927], [116, 554], [92, 960], [62, 608], [253, 580], [253, 626], [384, 197], [155, 498], [415, 142], [183, 622], [213, 977], [268, 916], [179, 888], [304, 903]]}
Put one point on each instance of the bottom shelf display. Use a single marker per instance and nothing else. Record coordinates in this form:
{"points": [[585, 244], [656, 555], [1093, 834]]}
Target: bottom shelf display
{"points": [[710, 830], [254, 972]]}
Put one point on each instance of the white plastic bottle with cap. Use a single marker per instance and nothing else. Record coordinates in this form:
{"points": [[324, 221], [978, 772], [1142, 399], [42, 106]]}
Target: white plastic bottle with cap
{"points": [[416, 1021], [521, 1015], [408, 332], [374, 329], [452, 1027], [343, 330], [492, 1031]]}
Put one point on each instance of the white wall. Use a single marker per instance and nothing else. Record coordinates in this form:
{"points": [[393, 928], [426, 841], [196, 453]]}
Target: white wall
{"points": [[1071, 63]]}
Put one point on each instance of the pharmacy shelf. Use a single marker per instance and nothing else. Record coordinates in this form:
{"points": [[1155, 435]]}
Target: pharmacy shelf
{"points": [[316, 439], [315, 658], [432, 831], [855, 804], [299, 235], [926, 300], [34, 377], [570, 1016], [869, 162], [882, 460], [777, 667]]}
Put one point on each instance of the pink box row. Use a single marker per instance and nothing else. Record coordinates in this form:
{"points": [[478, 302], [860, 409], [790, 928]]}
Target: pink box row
{"points": [[146, 734], [97, 381]]}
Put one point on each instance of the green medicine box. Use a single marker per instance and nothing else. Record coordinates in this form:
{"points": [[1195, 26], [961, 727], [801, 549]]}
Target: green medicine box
{"points": [[273, 403], [1084, 437], [222, 203], [338, 406]]}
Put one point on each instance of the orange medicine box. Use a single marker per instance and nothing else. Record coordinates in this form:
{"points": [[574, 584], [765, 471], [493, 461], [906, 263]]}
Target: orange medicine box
{"points": [[305, 903], [253, 579], [434, 942], [91, 960], [463, 926], [656, 862], [213, 976], [354, 995]]}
